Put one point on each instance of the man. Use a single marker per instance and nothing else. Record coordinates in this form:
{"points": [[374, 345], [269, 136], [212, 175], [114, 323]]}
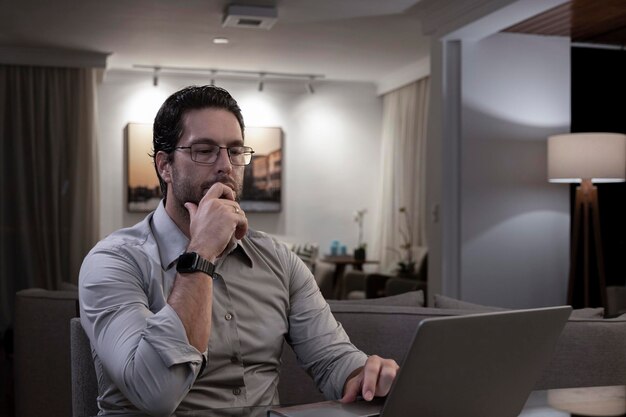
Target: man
{"points": [[188, 309]]}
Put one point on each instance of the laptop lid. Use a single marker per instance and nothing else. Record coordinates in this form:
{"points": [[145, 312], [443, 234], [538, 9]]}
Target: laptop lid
{"points": [[480, 365]]}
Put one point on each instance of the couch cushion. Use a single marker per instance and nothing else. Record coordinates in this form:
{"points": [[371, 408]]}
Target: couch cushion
{"points": [[441, 301], [590, 352], [407, 299]]}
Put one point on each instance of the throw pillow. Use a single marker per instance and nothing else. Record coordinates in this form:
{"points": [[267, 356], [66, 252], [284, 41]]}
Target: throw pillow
{"points": [[407, 299], [441, 301]]}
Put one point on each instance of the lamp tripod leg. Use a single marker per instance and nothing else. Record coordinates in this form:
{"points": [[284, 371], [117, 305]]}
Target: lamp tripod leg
{"points": [[574, 247], [595, 213]]}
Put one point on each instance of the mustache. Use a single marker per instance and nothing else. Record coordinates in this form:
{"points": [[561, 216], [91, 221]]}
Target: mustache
{"points": [[227, 181]]}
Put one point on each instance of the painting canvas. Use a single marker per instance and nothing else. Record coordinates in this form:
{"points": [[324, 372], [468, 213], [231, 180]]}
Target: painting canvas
{"points": [[143, 188], [262, 181]]}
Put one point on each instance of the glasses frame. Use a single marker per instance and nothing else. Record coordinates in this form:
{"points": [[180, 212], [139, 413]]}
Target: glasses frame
{"points": [[247, 150]]}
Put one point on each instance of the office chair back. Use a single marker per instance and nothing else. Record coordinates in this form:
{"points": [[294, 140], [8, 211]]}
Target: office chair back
{"points": [[84, 380]]}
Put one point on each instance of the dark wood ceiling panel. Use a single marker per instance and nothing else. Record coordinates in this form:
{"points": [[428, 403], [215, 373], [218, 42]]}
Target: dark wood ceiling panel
{"points": [[553, 22], [586, 21]]}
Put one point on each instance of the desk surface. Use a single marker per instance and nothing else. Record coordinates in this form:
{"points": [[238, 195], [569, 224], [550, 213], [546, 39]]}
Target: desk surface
{"points": [[592, 401], [595, 401]]}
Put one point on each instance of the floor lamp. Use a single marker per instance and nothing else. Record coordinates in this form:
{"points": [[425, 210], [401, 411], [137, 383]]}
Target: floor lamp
{"points": [[586, 158]]}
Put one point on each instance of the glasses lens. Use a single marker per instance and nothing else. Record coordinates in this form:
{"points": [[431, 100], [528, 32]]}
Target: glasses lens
{"points": [[204, 153], [240, 155]]}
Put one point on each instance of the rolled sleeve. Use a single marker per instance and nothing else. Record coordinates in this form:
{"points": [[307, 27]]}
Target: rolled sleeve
{"points": [[145, 353], [166, 333], [321, 344]]}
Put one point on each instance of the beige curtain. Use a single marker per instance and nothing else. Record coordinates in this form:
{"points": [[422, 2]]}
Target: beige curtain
{"points": [[403, 168], [48, 207]]}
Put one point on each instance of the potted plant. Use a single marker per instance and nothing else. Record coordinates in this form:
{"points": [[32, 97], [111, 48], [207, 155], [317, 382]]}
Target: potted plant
{"points": [[406, 264], [360, 250]]}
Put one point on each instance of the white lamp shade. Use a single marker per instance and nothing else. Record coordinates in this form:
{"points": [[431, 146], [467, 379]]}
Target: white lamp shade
{"points": [[599, 157]]}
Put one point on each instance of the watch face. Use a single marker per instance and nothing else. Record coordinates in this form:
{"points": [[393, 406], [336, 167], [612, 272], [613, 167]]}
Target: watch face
{"points": [[186, 261], [192, 262]]}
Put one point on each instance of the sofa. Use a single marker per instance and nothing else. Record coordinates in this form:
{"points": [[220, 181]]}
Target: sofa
{"points": [[591, 350]]}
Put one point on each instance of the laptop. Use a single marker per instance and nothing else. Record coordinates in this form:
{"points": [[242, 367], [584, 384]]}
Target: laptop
{"points": [[478, 365]]}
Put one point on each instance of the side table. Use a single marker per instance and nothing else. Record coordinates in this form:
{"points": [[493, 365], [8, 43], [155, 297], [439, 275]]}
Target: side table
{"points": [[340, 263]]}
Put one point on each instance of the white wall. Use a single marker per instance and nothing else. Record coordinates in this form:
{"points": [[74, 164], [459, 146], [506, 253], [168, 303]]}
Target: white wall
{"points": [[514, 224], [331, 149]]}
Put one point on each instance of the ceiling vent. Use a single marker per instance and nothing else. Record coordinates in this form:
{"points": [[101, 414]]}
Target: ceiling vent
{"points": [[250, 17]]}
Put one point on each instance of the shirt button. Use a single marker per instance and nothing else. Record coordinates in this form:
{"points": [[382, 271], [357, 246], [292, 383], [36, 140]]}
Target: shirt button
{"points": [[237, 391], [228, 316]]}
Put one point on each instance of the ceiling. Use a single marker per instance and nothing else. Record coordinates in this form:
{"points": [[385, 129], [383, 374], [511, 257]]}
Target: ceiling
{"points": [[360, 40], [585, 21]]}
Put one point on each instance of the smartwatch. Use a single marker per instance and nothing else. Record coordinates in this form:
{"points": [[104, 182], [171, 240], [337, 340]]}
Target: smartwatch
{"points": [[192, 262]]}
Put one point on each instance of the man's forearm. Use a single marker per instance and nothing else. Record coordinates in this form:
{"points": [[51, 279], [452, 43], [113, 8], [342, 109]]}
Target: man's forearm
{"points": [[191, 299]]}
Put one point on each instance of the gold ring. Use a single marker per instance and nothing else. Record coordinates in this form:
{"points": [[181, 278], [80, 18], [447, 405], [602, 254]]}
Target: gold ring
{"points": [[236, 210]]}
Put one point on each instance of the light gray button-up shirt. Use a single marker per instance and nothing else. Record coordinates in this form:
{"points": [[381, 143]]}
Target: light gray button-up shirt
{"points": [[262, 294]]}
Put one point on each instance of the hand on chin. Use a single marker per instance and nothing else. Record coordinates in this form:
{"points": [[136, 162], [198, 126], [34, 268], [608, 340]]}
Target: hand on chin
{"points": [[216, 221]]}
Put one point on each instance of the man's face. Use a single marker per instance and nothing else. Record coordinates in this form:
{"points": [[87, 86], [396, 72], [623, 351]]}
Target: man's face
{"points": [[189, 181]]}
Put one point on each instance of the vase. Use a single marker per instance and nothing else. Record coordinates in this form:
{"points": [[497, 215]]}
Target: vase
{"points": [[359, 254]]}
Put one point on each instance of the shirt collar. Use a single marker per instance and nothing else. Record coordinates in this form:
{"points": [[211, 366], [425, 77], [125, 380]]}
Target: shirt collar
{"points": [[240, 248], [171, 241]]}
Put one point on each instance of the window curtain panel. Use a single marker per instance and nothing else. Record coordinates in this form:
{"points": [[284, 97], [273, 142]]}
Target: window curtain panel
{"points": [[48, 209], [403, 168]]}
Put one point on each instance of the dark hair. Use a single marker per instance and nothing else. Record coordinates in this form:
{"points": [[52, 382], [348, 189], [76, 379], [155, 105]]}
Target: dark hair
{"points": [[168, 123]]}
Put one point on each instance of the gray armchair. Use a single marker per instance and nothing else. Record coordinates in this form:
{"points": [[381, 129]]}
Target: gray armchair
{"points": [[398, 285], [42, 352], [359, 285]]}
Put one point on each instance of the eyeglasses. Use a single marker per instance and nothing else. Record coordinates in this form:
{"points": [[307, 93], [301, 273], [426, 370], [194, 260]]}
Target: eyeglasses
{"points": [[206, 154]]}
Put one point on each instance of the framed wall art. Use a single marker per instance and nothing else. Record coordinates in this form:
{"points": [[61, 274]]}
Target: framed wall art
{"points": [[262, 185], [142, 184]]}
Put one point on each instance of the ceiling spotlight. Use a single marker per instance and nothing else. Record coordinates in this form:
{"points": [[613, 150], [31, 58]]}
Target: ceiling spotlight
{"points": [[309, 85], [220, 41], [155, 76], [261, 76]]}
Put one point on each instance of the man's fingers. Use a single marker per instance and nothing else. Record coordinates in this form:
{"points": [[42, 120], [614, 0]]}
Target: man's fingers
{"points": [[378, 376], [350, 395], [220, 190], [242, 226], [191, 208], [385, 379], [373, 380], [370, 377], [353, 385]]}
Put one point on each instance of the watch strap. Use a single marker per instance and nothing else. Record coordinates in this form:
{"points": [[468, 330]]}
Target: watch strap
{"points": [[190, 262], [204, 265]]}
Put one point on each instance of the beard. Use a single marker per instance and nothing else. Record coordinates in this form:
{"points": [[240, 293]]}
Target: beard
{"points": [[185, 190]]}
